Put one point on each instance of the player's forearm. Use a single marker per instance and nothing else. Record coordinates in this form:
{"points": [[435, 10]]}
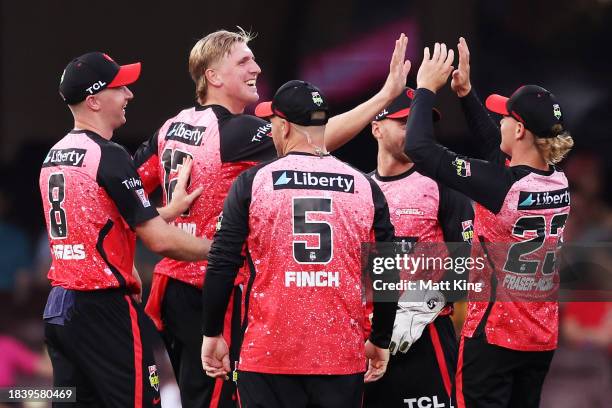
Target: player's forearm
{"points": [[342, 128], [383, 318], [384, 305], [216, 293], [186, 247], [420, 145], [172, 242], [481, 125]]}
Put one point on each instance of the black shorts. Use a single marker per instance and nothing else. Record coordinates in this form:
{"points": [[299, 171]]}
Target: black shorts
{"points": [[490, 376], [258, 390], [182, 318], [101, 343], [422, 377]]}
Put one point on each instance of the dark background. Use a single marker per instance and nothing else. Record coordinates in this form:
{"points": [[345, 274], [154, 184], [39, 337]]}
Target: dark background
{"points": [[563, 45], [343, 46]]}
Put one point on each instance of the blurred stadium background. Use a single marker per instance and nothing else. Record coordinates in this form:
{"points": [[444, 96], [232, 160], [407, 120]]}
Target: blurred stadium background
{"points": [[343, 46]]}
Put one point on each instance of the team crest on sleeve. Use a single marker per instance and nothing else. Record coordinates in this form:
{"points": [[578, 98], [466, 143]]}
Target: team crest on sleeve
{"points": [[462, 166], [467, 230], [154, 377]]}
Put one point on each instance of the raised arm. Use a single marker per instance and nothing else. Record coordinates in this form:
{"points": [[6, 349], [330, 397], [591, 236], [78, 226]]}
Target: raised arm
{"points": [[342, 128], [485, 182], [480, 123]]}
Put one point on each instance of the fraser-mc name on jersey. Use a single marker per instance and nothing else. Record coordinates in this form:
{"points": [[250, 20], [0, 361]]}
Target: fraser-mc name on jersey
{"points": [[186, 133], [65, 157], [536, 200], [290, 179]]}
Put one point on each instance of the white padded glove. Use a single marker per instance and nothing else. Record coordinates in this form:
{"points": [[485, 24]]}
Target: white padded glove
{"points": [[412, 317]]}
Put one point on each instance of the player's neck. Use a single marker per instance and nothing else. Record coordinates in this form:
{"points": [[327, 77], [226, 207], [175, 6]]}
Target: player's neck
{"points": [[388, 166], [529, 157], [86, 124], [229, 103], [305, 148]]}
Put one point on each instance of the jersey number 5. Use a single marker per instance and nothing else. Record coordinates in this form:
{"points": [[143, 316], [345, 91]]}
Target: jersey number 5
{"points": [[302, 253]]}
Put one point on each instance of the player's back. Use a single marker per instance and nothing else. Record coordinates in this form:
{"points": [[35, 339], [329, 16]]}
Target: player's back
{"points": [[308, 217], [221, 145], [92, 246], [520, 242]]}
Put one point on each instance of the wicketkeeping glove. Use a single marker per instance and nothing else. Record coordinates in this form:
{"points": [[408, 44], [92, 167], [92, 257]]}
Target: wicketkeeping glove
{"points": [[411, 319]]}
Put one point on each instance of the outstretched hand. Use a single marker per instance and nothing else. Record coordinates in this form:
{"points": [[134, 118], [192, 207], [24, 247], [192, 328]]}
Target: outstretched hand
{"points": [[399, 67], [435, 69], [460, 83]]}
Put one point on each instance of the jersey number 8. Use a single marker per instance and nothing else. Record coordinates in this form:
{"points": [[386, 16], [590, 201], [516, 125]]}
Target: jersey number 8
{"points": [[57, 215]]}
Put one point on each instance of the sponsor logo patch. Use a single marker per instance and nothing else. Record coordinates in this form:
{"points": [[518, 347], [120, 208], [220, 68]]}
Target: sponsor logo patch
{"points": [[264, 130], [408, 211], [536, 200], [96, 86], [132, 182], [310, 180], [143, 198], [65, 157], [186, 133]]}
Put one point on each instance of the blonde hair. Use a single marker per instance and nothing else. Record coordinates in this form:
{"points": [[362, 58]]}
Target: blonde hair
{"points": [[209, 50], [554, 149]]}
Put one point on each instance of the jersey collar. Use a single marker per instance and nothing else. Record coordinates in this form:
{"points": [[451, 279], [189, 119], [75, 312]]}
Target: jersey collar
{"points": [[396, 177]]}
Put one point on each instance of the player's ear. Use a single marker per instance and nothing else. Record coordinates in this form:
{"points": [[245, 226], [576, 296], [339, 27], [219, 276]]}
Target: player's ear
{"points": [[92, 102], [376, 131], [212, 77], [519, 131], [285, 126]]}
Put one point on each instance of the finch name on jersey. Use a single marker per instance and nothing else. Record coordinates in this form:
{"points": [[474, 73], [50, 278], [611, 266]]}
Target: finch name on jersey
{"points": [[312, 279]]}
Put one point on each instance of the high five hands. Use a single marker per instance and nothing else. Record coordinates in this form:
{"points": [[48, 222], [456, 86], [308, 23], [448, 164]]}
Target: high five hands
{"points": [[435, 68], [399, 67], [461, 76]]}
